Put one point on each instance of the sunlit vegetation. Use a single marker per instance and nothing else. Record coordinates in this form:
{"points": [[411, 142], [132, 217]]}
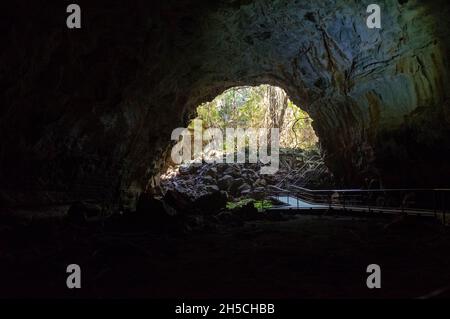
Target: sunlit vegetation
{"points": [[263, 106], [260, 205]]}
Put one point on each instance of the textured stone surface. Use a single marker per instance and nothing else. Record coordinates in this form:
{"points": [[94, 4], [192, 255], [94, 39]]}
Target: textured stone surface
{"points": [[88, 113]]}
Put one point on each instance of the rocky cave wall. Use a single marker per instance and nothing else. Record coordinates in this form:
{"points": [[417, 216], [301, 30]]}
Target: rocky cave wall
{"points": [[87, 114]]}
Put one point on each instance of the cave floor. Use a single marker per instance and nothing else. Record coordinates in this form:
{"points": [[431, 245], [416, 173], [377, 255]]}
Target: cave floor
{"points": [[298, 257]]}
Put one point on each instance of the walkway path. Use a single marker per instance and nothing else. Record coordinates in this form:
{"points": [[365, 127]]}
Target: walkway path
{"points": [[292, 203]]}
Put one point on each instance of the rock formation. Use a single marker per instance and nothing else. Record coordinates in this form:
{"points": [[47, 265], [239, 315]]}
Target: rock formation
{"points": [[87, 114]]}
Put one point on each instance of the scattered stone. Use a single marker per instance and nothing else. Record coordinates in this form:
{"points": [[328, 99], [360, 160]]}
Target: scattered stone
{"points": [[259, 193], [249, 172], [189, 169], [233, 170], [212, 188], [184, 170], [237, 183], [244, 188], [221, 168], [243, 179], [225, 182], [260, 182], [211, 202], [209, 180], [178, 199], [211, 172]]}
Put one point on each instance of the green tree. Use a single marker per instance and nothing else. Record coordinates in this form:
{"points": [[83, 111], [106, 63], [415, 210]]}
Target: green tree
{"points": [[257, 107]]}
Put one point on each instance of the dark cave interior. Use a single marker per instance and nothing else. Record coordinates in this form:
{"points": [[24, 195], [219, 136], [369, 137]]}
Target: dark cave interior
{"points": [[86, 118]]}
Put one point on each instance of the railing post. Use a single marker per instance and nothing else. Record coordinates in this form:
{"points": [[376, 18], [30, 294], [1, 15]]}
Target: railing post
{"points": [[435, 203], [444, 209], [329, 201], [403, 202]]}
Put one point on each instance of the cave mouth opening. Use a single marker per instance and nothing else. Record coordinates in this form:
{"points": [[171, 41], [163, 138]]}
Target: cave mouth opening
{"points": [[251, 138]]}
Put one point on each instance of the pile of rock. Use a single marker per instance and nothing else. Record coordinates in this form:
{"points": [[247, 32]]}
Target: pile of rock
{"points": [[234, 181], [231, 180]]}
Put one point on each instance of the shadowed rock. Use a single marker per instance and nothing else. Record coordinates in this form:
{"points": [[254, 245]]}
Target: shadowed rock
{"points": [[88, 114]]}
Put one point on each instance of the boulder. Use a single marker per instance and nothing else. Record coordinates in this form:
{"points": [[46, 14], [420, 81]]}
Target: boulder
{"points": [[249, 172], [260, 182], [221, 168], [237, 183], [259, 193], [244, 189], [186, 169], [208, 180], [212, 188], [211, 172], [233, 170], [178, 199], [246, 192], [225, 182], [211, 202]]}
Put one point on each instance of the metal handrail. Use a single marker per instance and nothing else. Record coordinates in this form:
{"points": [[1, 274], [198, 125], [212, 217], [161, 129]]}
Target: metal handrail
{"points": [[370, 190], [419, 200]]}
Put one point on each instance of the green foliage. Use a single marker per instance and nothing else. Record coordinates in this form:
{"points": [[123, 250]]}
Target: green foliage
{"points": [[263, 204], [239, 204], [244, 107], [260, 205], [238, 107], [301, 133]]}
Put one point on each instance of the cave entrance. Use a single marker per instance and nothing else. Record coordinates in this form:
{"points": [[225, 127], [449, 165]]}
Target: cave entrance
{"points": [[240, 110]]}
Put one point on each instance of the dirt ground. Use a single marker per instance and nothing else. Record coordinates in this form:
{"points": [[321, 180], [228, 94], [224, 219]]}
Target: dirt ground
{"points": [[296, 257]]}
